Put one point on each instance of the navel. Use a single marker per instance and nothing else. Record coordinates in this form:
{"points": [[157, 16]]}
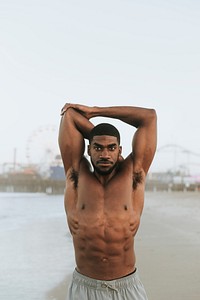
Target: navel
{"points": [[83, 206], [125, 207]]}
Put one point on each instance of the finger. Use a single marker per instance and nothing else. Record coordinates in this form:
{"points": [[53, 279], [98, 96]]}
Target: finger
{"points": [[65, 107]]}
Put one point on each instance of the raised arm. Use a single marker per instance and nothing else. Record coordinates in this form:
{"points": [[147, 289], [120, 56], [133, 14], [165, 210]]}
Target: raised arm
{"points": [[144, 119], [145, 138], [74, 127]]}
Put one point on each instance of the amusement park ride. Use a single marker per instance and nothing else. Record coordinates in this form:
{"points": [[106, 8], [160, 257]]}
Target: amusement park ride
{"points": [[173, 164], [42, 149], [43, 171], [175, 158]]}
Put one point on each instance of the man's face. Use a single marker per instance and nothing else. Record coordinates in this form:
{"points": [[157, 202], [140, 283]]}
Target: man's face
{"points": [[104, 151]]}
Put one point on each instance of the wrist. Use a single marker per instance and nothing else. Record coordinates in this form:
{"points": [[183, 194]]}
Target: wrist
{"points": [[95, 112]]}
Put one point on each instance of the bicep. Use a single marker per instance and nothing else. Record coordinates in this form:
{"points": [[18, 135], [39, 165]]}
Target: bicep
{"points": [[71, 143], [144, 145]]}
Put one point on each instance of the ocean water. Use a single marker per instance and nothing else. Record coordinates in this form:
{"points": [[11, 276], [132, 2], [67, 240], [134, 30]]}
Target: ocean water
{"points": [[36, 251]]}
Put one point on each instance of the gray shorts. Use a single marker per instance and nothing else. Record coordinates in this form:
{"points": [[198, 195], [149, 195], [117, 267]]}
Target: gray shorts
{"points": [[125, 288]]}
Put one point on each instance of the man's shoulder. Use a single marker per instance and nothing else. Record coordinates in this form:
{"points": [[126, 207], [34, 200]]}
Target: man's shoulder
{"points": [[132, 169], [85, 166], [126, 164]]}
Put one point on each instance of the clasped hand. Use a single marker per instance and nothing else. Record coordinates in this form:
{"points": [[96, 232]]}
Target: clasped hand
{"points": [[86, 111]]}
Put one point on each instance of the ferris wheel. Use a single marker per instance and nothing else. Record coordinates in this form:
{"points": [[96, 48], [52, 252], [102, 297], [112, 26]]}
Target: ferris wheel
{"points": [[42, 146]]}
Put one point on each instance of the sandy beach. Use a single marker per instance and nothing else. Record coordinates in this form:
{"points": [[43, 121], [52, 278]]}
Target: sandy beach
{"points": [[167, 248]]}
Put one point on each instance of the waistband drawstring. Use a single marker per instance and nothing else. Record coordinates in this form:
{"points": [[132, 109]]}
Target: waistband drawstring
{"points": [[106, 285]]}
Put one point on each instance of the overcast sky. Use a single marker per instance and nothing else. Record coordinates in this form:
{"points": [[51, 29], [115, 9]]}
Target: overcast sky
{"points": [[108, 52]]}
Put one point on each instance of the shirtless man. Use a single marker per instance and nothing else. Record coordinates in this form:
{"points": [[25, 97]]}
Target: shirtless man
{"points": [[104, 198]]}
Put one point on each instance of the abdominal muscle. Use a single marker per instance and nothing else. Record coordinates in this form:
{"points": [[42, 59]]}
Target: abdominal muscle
{"points": [[103, 243]]}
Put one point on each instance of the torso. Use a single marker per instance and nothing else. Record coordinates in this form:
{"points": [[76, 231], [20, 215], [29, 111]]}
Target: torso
{"points": [[103, 223]]}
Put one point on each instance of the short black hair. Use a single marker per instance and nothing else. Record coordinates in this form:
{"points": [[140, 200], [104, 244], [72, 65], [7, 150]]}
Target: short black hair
{"points": [[104, 129]]}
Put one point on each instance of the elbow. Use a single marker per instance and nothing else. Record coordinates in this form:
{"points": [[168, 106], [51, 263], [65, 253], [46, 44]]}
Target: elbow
{"points": [[68, 113], [152, 115]]}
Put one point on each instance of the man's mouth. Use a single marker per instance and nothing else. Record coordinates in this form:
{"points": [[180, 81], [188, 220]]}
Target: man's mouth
{"points": [[104, 163]]}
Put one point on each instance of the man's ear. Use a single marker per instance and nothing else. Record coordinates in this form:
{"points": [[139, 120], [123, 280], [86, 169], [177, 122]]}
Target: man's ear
{"points": [[120, 156], [88, 150], [120, 150]]}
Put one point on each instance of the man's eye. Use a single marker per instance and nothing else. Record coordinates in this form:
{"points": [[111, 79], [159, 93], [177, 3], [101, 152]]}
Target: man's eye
{"points": [[112, 148], [97, 148]]}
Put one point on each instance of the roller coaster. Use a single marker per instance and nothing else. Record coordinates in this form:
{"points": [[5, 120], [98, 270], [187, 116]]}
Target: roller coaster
{"points": [[173, 157]]}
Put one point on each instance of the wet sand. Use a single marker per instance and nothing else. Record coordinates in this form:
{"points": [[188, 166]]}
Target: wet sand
{"points": [[167, 248]]}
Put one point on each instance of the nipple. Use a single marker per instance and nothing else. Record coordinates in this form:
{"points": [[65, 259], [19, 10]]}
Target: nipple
{"points": [[104, 259]]}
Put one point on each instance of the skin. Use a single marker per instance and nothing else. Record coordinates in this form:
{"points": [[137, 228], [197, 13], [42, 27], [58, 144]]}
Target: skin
{"points": [[104, 204]]}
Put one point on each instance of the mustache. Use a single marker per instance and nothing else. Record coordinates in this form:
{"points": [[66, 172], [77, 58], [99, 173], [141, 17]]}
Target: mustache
{"points": [[104, 160]]}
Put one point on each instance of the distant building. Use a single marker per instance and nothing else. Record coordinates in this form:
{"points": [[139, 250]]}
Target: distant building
{"points": [[57, 173]]}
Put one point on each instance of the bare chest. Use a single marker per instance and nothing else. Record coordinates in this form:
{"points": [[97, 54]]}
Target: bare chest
{"points": [[107, 213], [105, 208], [90, 197]]}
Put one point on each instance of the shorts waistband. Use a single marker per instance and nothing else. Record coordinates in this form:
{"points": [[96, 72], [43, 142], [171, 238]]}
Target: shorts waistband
{"points": [[123, 282]]}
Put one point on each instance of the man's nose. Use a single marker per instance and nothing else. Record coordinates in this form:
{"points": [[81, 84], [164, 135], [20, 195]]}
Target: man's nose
{"points": [[105, 153]]}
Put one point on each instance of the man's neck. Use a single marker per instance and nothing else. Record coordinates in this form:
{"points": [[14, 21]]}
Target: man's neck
{"points": [[105, 178]]}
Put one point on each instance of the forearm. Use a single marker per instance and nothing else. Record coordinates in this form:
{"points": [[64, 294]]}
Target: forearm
{"points": [[135, 116], [74, 127], [73, 118]]}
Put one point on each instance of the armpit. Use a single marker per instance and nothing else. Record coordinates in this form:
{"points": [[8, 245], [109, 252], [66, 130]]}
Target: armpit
{"points": [[73, 176], [137, 179]]}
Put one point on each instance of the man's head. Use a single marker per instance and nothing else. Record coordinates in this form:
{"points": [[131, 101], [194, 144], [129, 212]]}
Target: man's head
{"points": [[104, 148], [104, 129]]}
